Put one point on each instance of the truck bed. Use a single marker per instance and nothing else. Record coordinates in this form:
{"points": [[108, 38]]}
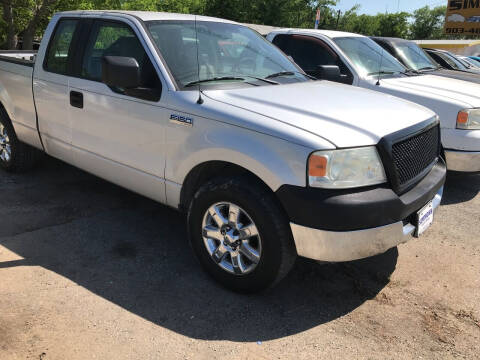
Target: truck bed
{"points": [[16, 75]]}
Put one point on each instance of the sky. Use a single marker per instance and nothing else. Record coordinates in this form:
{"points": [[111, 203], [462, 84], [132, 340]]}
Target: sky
{"points": [[373, 7]]}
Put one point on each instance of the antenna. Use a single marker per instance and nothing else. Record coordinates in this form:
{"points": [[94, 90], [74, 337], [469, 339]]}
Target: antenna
{"points": [[380, 67], [200, 100]]}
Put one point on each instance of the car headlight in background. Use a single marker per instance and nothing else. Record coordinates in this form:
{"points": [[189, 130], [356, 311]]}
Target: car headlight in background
{"points": [[469, 119], [345, 168]]}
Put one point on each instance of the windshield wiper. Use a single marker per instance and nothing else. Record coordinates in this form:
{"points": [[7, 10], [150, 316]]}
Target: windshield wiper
{"points": [[218, 78], [381, 73], [428, 68], [411, 71], [263, 79], [281, 73]]}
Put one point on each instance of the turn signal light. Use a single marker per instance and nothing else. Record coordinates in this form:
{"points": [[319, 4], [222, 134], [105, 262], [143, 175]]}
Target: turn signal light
{"points": [[317, 165], [462, 117]]}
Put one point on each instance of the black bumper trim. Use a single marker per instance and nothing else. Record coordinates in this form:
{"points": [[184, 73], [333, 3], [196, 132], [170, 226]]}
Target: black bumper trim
{"points": [[358, 209]]}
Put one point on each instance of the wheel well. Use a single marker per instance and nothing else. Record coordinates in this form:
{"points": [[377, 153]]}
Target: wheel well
{"points": [[204, 172], [4, 113]]}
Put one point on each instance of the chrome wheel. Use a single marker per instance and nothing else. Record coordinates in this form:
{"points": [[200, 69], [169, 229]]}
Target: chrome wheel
{"points": [[231, 238], [5, 146]]}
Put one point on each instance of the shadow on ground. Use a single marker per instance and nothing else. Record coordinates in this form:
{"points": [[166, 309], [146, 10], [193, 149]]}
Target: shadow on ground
{"points": [[460, 187], [134, 253]]}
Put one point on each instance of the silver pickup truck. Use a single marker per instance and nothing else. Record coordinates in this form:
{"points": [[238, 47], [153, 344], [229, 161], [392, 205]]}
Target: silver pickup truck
{"points": [[206, 116]]}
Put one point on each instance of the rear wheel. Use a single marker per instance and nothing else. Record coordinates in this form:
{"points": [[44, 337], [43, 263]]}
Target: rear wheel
{"points": [[15, 156], [240, 234]]}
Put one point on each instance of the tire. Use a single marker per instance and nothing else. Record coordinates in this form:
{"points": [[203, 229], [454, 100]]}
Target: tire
{"points": [[15, 156], [262, 260]]}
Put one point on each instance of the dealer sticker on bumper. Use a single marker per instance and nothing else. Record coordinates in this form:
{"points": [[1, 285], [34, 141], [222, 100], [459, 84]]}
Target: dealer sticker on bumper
{"points": [[425, 218]]}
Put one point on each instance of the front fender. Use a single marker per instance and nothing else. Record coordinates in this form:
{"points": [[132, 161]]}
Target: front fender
{"points": [[275, 161]]}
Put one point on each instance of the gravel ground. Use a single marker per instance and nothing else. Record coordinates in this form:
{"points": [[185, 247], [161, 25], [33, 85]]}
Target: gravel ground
{"points": [[91, 271]]}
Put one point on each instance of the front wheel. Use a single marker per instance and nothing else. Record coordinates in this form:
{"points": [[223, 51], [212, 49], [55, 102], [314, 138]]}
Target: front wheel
{"points": [[240, 234]]}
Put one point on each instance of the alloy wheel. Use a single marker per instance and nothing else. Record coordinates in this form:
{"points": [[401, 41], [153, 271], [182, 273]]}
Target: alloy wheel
{"points": [[5, 146], [231, 238]]}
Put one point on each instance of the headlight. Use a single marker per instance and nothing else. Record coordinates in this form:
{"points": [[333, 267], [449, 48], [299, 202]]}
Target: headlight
{"points": [[345, 168], [469, 119]]}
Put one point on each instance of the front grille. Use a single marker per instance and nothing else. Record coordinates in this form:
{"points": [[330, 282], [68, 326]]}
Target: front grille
{"points": [[411, 157]]}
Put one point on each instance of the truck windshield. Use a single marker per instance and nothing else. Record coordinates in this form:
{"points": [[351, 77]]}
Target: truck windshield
{"points": [[226, 53], [414, 56], [369, 58]]}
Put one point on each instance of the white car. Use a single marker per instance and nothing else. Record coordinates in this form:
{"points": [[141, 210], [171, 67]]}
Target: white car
{"points": [[264, 168], [456, 18], [359, 61]]}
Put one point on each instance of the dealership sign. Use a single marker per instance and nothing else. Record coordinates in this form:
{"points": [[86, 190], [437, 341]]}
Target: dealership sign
{"points": [[463, 17]]}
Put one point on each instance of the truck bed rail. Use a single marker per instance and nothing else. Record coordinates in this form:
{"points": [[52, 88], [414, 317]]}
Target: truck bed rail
{"points": [[20, 57]]}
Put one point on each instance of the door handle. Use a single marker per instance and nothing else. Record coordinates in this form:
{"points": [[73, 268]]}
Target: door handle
{"points": [[76, 99]]}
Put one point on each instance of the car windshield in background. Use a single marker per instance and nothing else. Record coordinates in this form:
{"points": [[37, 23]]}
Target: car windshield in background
{"points": [[457, 62], [414, 56], [475, 62], [368, 57], [227, 53]]}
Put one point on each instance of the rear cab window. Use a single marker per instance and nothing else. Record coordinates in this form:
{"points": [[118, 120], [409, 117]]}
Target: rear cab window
{"points": [[59, 51]]}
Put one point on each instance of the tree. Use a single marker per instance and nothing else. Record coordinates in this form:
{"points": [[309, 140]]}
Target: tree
{"points": [[367, 25], [428, 23], [8, 18], [27, 19], [39, 11], [393, 25]]}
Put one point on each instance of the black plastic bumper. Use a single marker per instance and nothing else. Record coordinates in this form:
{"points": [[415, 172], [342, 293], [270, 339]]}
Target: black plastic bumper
{"points": [[357, 209]]}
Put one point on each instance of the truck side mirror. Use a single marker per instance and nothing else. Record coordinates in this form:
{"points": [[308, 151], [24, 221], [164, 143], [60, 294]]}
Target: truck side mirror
{"points": [[329, 72], [121, 72]]}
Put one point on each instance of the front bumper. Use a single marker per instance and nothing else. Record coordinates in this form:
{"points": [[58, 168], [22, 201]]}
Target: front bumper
{"points": [[348, 225], [462, 149], [466, 161], [337, 246]]}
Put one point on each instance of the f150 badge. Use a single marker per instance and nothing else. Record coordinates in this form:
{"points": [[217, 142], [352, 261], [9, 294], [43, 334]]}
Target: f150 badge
{"points": [[182, 120]]}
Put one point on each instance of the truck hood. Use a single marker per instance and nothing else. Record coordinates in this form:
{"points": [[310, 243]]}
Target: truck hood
{"points": [[459, 75], [344, 115], [461, 93]]}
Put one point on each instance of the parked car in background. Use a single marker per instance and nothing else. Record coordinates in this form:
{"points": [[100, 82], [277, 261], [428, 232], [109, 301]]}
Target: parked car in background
{"points": [[208, 117], [414, 58], [473, 63], [449, 61], [476, 58], [358, 60]]}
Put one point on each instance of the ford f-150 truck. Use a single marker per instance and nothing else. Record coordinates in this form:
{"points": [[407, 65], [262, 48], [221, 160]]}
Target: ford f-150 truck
{"points": [[359, 61], [208, 117]]}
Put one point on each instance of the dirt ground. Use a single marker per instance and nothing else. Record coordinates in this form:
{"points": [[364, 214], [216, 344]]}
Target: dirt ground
{"points": [[91, 271]]}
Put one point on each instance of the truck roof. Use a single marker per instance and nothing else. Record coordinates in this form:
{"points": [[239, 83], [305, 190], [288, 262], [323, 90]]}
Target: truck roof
{"points": [[329, 33], [145, 15], [391, 39]]}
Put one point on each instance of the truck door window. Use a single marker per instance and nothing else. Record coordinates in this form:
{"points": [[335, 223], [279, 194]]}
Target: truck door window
{"points": [[310, 53], [116, 39], [59, 49]]}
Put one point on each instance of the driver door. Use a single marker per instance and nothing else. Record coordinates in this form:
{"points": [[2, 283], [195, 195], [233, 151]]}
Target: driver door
{"points": [[115, 136]]}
